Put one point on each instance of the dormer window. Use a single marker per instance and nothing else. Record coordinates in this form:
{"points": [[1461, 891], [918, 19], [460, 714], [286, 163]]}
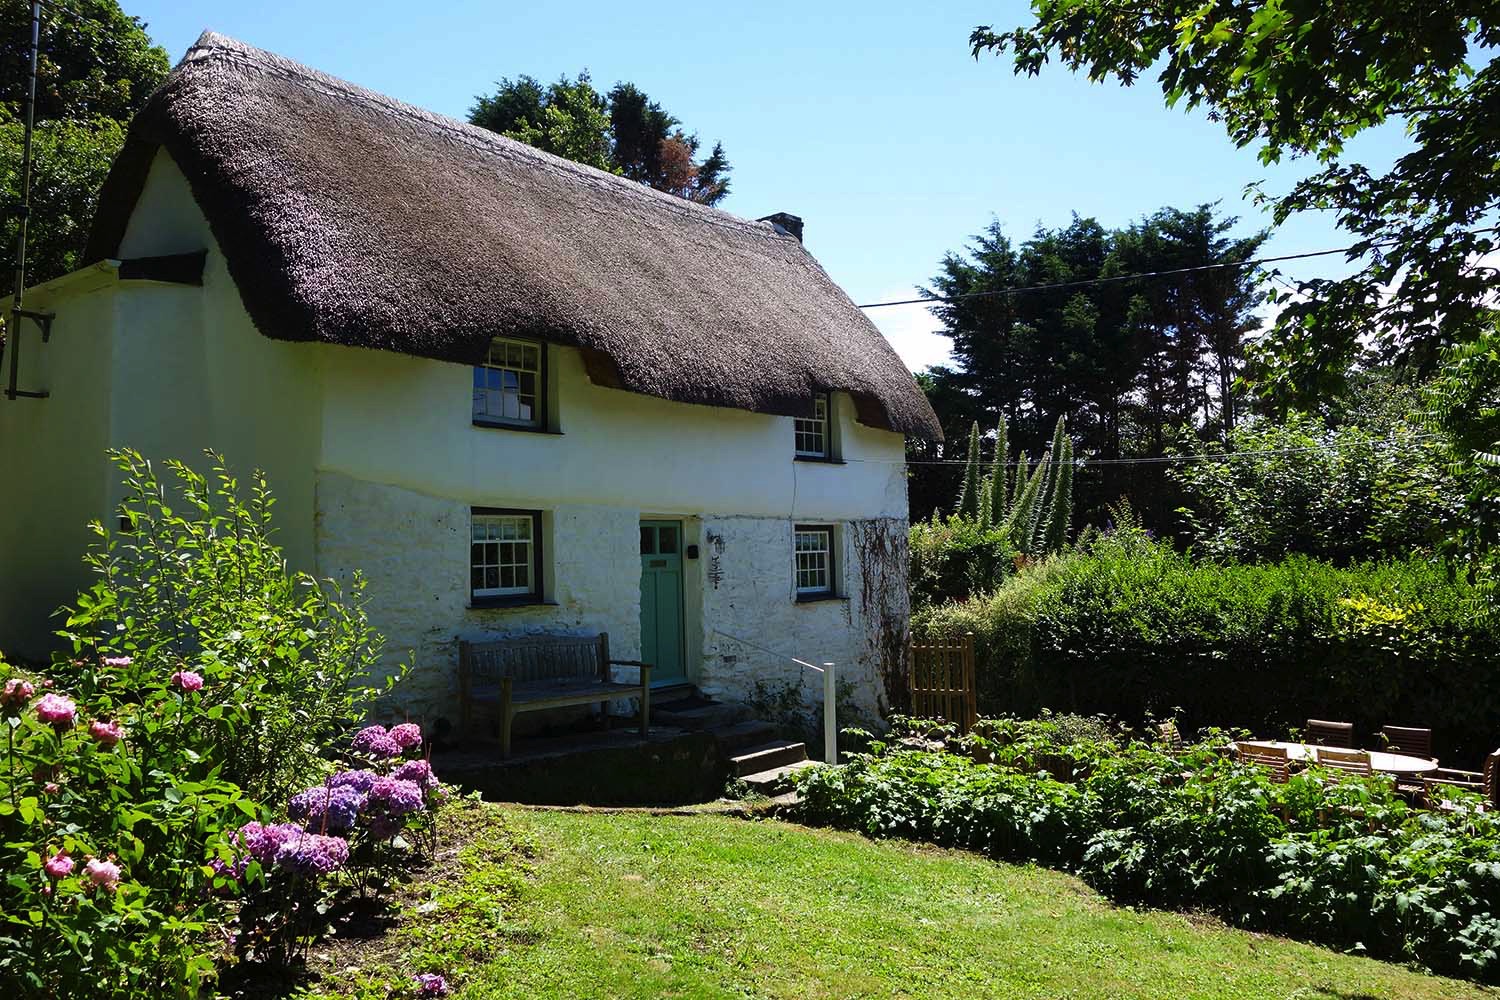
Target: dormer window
{"points": [[814, 438], [510, 384]]}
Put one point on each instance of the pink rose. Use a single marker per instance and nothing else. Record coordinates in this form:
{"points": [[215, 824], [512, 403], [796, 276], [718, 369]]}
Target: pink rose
{"points": [[103, 874], [58, 866], [51, 788], [107, 733], [188, 680], [118, 661], [56, 710]]}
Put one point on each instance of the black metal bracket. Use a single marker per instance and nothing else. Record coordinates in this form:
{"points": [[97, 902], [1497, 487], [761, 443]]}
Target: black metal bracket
{"points": [[43, 320]]}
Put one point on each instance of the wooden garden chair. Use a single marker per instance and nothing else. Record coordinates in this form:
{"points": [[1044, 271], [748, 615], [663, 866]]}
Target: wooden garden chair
{"points": [[1408, 740], [1482, 782], [1330, 734], [1348, 761], [1413, 742], [1273, 759]]}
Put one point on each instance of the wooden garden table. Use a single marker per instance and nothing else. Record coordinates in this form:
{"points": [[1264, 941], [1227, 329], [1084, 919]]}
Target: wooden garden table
{"points": [[1399, 764]]}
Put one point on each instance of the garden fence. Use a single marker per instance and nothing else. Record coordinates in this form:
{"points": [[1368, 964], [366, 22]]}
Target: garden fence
{"points": [[941, 680]]}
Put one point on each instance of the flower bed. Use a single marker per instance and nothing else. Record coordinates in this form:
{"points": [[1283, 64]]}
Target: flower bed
{"points": [[1344, 862]]}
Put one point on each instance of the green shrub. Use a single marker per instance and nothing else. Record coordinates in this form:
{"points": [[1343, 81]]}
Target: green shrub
{"points": [[1129, 628], [1297, 486], [1340, 860], [954, 558], [204, 682], [196, 578]]}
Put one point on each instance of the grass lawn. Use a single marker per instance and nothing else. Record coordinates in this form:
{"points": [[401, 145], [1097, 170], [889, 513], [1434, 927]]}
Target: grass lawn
{"points": [[548, 904]]}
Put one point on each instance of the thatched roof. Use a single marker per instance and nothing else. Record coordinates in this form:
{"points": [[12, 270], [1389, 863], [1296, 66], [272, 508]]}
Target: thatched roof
{"points": [[350, 218]]}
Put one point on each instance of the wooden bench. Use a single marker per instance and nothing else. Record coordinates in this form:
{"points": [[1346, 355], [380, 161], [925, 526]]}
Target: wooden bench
{"points": [[535, 672]]}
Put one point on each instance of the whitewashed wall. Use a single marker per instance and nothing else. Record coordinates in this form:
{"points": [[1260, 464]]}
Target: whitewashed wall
{"points": [[375, 464]]}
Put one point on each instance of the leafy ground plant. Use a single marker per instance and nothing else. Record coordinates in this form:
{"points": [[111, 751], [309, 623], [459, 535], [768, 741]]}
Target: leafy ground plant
{"points": [[1342, 861]]}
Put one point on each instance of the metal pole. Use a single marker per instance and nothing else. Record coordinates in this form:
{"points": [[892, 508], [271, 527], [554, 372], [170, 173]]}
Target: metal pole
{"points": [[830, 722], [14, 333]]}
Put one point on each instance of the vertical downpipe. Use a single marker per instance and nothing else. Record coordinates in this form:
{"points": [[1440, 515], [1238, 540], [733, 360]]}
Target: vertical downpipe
{"points": [[830, 722], [14, 332]]}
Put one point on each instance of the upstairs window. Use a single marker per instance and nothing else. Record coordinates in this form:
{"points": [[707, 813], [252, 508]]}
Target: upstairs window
{"points": [[508, 387], [813, 551], [813, 438], [504, 554]]}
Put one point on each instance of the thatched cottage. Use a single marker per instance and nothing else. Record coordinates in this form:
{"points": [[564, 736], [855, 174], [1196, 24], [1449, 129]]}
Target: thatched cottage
{"points": [[519, 394]]}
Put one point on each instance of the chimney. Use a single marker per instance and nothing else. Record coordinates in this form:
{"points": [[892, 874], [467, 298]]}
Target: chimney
{"points": [[785, 223]]}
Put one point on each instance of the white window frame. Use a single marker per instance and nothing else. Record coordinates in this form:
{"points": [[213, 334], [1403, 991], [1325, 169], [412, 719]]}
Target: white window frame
{"points": [[815, 429], [520, 531], [506, 364], [804, 561]]}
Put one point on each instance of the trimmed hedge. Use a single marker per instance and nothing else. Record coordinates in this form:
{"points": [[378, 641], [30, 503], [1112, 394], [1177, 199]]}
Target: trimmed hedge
{"points": [[1130, 628]]}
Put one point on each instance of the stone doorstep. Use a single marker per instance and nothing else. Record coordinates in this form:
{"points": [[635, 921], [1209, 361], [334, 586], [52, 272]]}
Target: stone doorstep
{"points": [[697, 713], [767, 756], [740, 736], [777, 780]]}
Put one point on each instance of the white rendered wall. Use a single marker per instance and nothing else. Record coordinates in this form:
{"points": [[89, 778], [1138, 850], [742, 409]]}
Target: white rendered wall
{"points": [[375, 464], [53, 479]]}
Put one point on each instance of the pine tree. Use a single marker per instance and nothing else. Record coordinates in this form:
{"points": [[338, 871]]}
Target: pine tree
{"points": [[968, 493]]}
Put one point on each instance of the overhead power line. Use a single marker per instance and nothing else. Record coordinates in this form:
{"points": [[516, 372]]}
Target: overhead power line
{"points": [[1355, 249], [1151, 460]]}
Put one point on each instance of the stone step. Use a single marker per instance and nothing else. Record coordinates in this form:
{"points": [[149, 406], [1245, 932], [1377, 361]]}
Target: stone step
{"points": [[697, 713], [741, 735], [767, 756], [778, 780]]}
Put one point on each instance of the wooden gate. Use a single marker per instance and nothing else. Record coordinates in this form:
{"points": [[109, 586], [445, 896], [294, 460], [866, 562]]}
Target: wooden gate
{"points": [[942, 680]]}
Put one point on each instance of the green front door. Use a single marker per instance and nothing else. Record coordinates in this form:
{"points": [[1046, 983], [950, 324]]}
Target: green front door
{"points": [[661, 601]]}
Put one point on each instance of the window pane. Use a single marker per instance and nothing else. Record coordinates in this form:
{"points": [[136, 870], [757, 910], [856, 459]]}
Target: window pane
{"points": [[648, 541], [668, 539]]}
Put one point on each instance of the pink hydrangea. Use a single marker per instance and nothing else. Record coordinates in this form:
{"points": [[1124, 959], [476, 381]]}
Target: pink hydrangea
{"points": [[58, 866], [56, 710], [118, 661], [188, 680], [418, 772], [313, 854], [17, 693], [407, 735], [264, 840], [395, 797], [376, 742], [430, 984], [103, 874], [107, 733]]}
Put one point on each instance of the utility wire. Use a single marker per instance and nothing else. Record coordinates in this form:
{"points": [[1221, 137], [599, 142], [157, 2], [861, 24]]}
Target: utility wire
{"points": [[1356, 249], [1152, 460]]}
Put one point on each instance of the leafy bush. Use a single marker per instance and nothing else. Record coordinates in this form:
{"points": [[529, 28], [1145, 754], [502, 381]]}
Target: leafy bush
{"points": [[954, 558], [107, 820], [197, 579], [203, 681], [1130, 628], [1297, 486], [1340, 860]]}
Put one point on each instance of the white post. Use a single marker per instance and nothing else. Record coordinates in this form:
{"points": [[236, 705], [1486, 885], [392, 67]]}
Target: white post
{"points": [[830, 722]]}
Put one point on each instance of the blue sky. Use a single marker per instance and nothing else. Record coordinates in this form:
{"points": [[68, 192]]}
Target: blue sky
{"points": [[870, 120]]}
